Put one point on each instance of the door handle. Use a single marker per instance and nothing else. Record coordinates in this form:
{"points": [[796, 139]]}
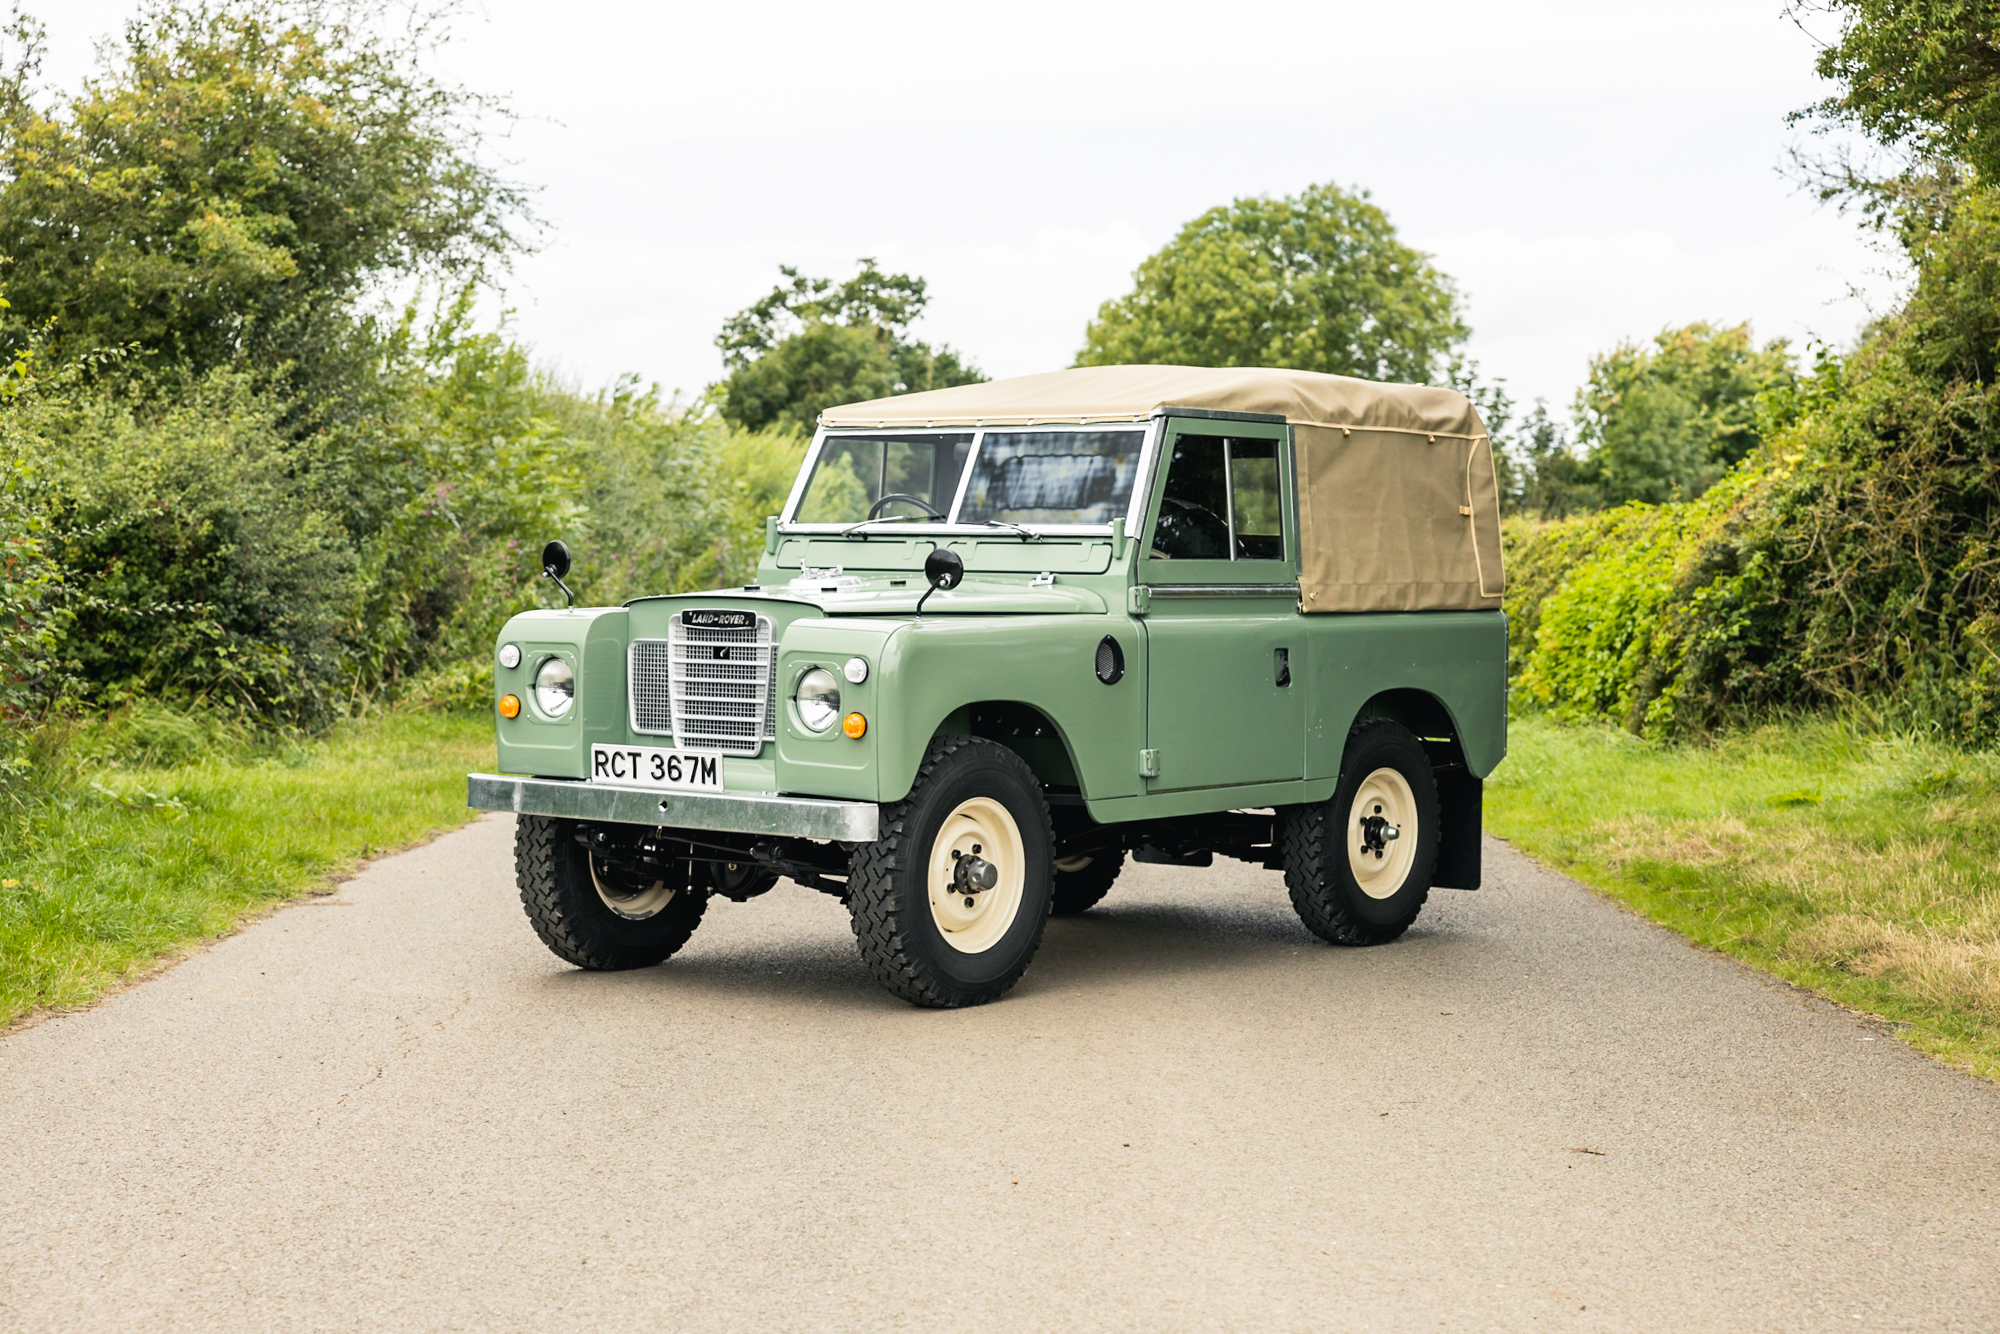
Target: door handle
{"points": [[1282, 663]]}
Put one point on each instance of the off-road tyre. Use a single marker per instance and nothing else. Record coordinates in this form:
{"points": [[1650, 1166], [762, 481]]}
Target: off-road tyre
{"points": [[889, 900], [574, 921], [1315, 841], [1084, 888]]}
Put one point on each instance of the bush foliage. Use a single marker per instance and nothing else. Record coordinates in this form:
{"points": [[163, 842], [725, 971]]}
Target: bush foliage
{"points": [[1850, 562], [1851, 558], [232, 478], [230, 483]]}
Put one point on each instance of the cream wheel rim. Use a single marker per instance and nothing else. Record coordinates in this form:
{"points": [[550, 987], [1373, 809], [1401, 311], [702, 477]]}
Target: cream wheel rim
{"points": [[1382, 833], [634, 905], [971, 919]]}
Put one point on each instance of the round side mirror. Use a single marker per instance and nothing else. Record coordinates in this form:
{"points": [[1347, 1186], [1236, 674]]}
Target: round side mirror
{"points": [[555, 559], [944, 569]]}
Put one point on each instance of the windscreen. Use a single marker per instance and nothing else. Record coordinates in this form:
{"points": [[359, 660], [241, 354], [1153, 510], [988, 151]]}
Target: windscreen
{"points": [[862, 477], [1052, 476]]}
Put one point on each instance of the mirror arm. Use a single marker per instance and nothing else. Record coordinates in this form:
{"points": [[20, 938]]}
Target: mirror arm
{"points": [[942, 569], [555, 564]]}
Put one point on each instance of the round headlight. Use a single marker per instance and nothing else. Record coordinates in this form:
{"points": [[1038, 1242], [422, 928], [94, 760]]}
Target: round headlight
{"points": [[818, 698], [555, 688]]}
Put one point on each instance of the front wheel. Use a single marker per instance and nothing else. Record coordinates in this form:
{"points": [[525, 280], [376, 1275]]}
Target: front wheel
{"points": [[949, 903], [1359, 866], [594, 913]]}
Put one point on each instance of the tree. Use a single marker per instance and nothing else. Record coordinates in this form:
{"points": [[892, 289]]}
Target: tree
{"points": [[1921, 78], [1318, 282], [1539, 474], [235, 179], [1665, 422], [813, 343], [1919, 75]]}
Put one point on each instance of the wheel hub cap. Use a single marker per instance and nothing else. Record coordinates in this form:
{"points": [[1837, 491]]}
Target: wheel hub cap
{"points": [[977, 875], [973, 874], [1378, 854]]}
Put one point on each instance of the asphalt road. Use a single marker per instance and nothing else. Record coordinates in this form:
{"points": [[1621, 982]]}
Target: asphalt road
{"points": [[392, 1109]]}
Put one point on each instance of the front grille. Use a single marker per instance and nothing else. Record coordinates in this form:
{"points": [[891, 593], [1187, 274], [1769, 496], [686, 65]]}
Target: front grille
{"points": [[712, 687], [652, 696]]}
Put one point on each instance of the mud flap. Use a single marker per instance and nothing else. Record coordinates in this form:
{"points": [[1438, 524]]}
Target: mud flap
{"points": [[1461, 799]]}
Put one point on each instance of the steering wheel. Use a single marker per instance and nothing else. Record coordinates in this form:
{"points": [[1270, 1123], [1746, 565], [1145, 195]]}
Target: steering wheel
{"points": [[894, 496], [1187, 531]]}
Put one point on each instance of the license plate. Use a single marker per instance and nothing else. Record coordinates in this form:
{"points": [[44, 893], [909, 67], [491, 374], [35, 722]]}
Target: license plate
{"points": [[655, 767]]}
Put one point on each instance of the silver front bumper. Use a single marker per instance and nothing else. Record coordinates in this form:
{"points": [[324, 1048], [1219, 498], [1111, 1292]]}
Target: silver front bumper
{"points": [[732, 812]]}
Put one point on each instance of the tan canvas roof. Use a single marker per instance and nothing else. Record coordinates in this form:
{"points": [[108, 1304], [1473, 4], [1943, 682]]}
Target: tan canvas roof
{"points": [[1131, 393], [1399, 507]]}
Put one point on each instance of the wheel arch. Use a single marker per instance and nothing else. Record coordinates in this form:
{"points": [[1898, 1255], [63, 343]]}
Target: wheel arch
{"points": [[1026, 729], [1429, 719]]}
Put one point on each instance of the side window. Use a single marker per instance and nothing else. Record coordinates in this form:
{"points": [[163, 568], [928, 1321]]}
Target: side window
{"points": [[1221, 501], [1254, 509], [1194, 510]]}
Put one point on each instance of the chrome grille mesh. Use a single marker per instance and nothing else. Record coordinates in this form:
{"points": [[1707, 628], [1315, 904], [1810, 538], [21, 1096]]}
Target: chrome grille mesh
{"points": [[712, 687], [652, 698]]}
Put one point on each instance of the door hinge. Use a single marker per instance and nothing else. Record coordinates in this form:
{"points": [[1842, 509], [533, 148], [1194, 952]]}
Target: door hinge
{"points": [[1137, 599], [1149, 764]]}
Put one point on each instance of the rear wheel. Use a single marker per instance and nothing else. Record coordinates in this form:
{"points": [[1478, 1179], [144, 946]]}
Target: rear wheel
{"points": [[593, 913], [948, 904], [1359, 866], [1082, 882]]}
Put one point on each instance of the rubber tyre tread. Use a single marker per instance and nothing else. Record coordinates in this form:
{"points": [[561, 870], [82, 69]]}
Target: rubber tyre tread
{"points": [[571, 919], [1080, 891], [1315, 852], [898, 962]]}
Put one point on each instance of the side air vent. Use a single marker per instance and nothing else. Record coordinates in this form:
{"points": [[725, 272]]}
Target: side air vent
{"points": [[1110, 661]]}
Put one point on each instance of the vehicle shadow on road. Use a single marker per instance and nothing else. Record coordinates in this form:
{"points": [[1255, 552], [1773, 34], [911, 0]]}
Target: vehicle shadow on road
{"points": [[1136, 942], [802, 951]]}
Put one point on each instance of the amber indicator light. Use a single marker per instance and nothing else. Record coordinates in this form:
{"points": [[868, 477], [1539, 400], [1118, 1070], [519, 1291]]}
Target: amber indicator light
{"points": [[510, 706], [854, 725]]}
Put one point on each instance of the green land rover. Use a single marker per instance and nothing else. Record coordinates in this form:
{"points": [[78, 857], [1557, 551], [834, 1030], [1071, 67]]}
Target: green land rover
{"points": [[1004, 637]]}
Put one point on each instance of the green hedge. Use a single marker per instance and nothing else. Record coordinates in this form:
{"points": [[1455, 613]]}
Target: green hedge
{"points": [[1852, 561]]}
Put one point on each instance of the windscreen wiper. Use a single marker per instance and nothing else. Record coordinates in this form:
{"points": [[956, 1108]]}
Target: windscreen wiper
{"points": [[855, 529], [852, 528], [1027, 534]]}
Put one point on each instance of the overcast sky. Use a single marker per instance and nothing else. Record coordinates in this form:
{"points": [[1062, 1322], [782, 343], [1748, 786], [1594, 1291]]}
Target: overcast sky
{"points": [[1587, 172]]}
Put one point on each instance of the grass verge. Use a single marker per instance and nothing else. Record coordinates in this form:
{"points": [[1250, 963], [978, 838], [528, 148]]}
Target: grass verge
{"points": [[127, 864], [1864, 868]]}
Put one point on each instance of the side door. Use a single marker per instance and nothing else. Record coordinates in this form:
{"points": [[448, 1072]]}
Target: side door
{"points": [[1224, 644]]}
